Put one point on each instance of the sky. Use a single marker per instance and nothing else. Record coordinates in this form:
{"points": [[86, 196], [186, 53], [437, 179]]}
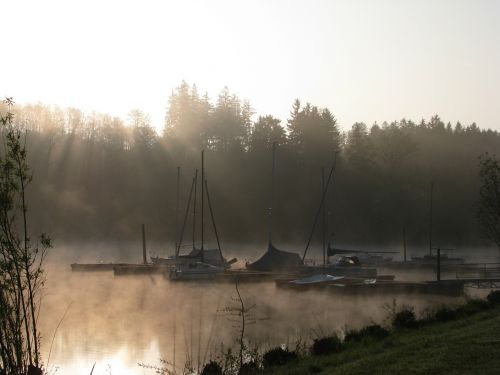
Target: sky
{"points": [[365, 60]]}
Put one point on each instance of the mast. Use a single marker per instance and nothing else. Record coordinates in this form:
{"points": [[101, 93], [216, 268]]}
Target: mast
{"points": [[202, 200], [181, 236], [144, 258], [177, 208], [194, 207], [270, 211], [430, 219], [404, 243], [323, 195], [324, 215], [213, 222]]}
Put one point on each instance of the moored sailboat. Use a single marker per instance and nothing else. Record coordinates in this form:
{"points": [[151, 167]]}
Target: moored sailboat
{"points": [[275, 260], [200, 263]]}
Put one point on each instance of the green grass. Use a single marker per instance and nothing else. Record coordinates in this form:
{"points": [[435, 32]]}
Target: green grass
{"points": [[468, 345]]}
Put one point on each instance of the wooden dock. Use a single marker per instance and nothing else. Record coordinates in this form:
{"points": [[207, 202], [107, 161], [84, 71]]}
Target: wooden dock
{"points": [[351, 287], [140, 269], [119, 269], [95, 267]]}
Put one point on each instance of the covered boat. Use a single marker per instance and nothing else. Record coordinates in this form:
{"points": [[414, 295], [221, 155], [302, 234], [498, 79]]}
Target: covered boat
{"points": [[316, 279], [275, 260]]}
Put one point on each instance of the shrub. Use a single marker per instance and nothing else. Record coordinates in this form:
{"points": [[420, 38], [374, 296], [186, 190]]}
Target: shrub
{"points": [[248, 368], [314, 369], [277, 357], [494, 297], [445, 314], [212, 368], [326, 345], [352, 336], [375, 331], [405, 319], [474, 306]]}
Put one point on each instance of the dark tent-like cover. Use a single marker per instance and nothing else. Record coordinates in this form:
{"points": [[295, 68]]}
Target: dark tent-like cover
{"points": [[276, 260]]}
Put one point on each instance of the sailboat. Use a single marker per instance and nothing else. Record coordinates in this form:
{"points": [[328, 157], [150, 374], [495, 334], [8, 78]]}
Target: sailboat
{"points": [[373, 258], [347, 265], [211, 257], [431, 259], [171, 260], [200, 263], [275, 260]]}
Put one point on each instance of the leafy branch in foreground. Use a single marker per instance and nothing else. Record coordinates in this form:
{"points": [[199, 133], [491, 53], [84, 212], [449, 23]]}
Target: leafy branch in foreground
{"points": [[21, 272]]}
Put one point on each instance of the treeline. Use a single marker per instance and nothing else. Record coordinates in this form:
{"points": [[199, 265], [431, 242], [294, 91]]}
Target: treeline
{"points": [[100, 177]]}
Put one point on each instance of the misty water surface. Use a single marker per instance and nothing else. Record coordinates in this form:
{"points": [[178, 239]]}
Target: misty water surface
{"points": [[118, 322]]}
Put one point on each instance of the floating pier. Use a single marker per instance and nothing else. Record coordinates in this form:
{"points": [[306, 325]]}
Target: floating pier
{"points": [[448, 287], [119, 269], [140, 269], [95, 267]]}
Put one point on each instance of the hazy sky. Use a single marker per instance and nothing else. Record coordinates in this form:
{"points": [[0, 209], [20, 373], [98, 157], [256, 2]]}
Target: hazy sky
{"points": [[365, 60]]}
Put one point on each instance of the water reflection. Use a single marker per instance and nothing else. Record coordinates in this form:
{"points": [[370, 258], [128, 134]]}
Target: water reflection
{"points": [[118, 322]]}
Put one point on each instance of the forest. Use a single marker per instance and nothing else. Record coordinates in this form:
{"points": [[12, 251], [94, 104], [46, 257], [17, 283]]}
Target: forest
{"points": [[98, 177]]}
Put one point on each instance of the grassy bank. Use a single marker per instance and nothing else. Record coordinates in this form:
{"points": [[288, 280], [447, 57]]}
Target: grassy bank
{"points": [[467, 344]]}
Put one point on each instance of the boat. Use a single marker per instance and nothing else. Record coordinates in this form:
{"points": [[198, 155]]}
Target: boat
{"points": [[195, 271], [347, 265], [372, 258], [322, 281], [199, 263], [431, 259], [211, 256], [275, 260], [316, 279]]}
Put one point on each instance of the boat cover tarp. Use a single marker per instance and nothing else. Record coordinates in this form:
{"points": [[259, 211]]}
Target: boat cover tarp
{"points": [[314, 279], [276, 260]]}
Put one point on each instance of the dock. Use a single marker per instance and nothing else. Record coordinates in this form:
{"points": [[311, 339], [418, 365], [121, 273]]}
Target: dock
{"points": [[140, 269], [120, 269], [350, 287], [95, 267]]}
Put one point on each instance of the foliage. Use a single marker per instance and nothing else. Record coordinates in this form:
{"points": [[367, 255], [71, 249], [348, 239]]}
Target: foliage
{"points": [[93, 163], [405, 318], [278, 357], [212, 368], [494, 297], [465, 345], [488, 212], [375, 331], [326, 345], [241, 315], [473, 306], [248, 368], [21, 261], [445, 314]]}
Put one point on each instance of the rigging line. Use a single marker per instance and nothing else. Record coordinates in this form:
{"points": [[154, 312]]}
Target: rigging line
{"points": [[194, 206], [213, 222], [202, 203], [320, 206], [185, 219], [177, 208]]}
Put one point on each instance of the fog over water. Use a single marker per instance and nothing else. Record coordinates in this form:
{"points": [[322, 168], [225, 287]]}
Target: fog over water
{"points": [[118, 322]]}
